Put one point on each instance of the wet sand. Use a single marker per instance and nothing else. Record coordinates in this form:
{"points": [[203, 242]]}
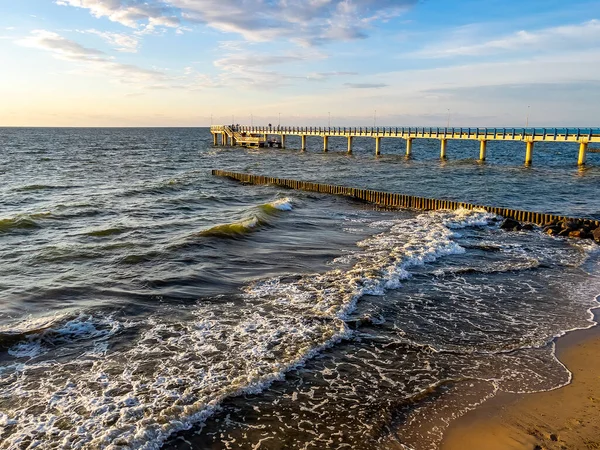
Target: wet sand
{"points": [[566, 418]]}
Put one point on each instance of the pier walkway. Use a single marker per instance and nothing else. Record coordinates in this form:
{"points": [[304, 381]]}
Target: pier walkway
{"points": [[260, 136]]}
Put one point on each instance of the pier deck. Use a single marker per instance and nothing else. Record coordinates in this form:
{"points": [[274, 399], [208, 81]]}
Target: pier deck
{"points": [[529, 136]]}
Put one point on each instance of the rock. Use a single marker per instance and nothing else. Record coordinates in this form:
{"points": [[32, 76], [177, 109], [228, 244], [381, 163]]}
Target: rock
{"points": [[576, 234], [570, 225], [527, 226], [596, 235], [552, 230], [510, 224], [564, 232], [553, 437]]}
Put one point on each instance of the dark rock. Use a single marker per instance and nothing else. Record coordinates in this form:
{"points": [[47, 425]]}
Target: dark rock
{"points": [[551, 223], [510, 224], [527, 226], [564, 232], [571, 225], [552, 230], [553, 437], [596, 235], [576, 234]]}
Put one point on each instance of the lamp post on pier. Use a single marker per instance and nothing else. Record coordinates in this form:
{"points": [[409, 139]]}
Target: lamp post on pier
{"points": [[448, 121]]}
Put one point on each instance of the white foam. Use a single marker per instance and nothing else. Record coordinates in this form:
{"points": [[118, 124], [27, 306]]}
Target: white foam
{"points": [[283, 204], [177, 372]]}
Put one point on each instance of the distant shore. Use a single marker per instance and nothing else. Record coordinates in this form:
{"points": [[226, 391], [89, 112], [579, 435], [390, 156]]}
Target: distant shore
{"points": [[566, 418]]}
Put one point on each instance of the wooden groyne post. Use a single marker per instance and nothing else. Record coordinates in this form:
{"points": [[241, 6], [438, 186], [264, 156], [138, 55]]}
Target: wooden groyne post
{"points": [[395, 200]]}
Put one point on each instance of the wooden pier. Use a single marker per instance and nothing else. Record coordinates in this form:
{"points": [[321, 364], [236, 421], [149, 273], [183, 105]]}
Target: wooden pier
{"points": [[260, 137]]}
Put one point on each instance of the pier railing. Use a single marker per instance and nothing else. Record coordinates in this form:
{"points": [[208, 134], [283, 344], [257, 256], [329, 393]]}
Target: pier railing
{"points": [[583, 136]]}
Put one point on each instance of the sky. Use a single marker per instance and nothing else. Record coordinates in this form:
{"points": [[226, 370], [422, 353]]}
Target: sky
{"points": [[498, 63]]}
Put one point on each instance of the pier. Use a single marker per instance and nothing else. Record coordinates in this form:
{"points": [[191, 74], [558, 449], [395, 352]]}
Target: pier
{"points": [[276, 136]]}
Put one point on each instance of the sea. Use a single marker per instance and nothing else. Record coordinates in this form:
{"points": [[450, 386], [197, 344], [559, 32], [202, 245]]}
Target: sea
{"points": [[146, 304]]}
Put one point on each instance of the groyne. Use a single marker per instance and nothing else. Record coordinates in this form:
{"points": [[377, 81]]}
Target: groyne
{"points": [[395, 200]]}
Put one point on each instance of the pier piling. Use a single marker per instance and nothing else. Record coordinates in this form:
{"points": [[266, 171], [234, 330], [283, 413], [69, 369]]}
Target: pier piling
{"points": [[303, 142], [582, 153], [443, 149], [377, 146], [349, 144], [482, 149], [409, 147], [325, 143], [529, 153]]}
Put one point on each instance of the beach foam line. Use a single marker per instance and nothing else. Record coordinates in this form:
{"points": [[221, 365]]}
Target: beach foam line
{"points": [[177, 371]]}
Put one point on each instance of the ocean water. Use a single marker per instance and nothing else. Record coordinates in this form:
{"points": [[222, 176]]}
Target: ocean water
{"points": [[148, 305]]}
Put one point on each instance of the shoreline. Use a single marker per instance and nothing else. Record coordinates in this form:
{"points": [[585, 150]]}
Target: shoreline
{"points": [[564, 418]]}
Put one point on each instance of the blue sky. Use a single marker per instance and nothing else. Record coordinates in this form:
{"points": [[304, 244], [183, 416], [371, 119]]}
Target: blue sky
{"points": [[396, 62]]}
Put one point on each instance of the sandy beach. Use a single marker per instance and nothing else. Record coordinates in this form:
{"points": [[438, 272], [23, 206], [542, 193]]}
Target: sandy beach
{"points": [[566, 418]]}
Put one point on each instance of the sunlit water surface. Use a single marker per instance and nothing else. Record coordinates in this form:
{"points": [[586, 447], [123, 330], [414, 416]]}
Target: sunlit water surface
{"points": [[147, 304]]}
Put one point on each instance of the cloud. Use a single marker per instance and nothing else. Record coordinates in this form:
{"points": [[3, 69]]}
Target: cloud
{"points": [[577, 36], [366, 85], [131, 13], [307, 22], [92, 60], [323, 76], [65, 48], [245, 60], [122, 42]]}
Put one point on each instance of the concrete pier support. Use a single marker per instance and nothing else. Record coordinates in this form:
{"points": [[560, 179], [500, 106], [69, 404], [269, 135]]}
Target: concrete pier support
{"points": [[325, 143], [582, 153], [349, 144], [409, 147], [223, 139], [529, 153], [377, 146], [482, 150], [303, 146], [283, 141], [443, 149], [215, 139]]}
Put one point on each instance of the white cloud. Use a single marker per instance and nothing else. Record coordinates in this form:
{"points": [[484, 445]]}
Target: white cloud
{"points": [[92, 60], [122, 42], [576, 36], [366, 85], [307, 22], [65, 48]]}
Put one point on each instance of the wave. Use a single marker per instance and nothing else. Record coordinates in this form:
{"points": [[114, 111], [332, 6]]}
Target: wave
{"points": [[106, 232], [184, 363], [258, 217], [24, 222], [42, 335], [232, 230], [39, 187]]}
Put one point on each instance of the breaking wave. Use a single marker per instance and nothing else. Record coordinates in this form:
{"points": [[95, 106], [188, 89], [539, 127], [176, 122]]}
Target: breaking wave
{"points": [[257, 218]]}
